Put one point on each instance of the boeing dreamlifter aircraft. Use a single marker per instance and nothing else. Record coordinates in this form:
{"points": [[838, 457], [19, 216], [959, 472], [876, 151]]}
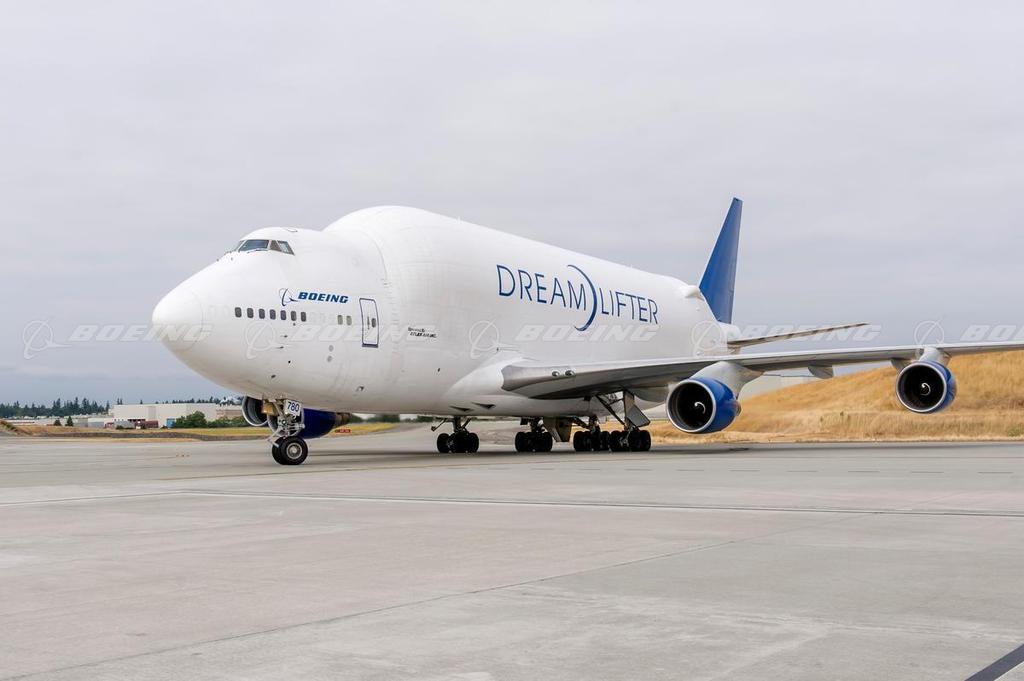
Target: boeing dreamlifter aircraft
{"points": [[398, 310]]}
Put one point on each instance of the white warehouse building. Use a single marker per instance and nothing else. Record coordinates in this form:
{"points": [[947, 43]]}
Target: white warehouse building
{"points": [[164, 414]]}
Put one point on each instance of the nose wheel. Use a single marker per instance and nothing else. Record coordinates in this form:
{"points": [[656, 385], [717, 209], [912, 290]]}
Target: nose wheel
{"points": [[290, 451]]}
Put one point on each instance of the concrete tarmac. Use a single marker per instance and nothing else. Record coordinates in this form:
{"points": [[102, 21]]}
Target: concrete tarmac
{"points": [[378, 559]]}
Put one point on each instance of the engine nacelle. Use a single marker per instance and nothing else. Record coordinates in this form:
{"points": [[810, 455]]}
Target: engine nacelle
{"points": [[702, 405], [925, 387], [252, 412], [316, 423]]}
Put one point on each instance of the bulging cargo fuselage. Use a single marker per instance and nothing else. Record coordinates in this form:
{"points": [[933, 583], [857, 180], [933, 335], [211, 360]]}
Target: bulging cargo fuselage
{"points": [[400, 310]]}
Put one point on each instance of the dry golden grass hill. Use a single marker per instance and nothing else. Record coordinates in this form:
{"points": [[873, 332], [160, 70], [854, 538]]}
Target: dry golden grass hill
{"points": [[863, 406]]}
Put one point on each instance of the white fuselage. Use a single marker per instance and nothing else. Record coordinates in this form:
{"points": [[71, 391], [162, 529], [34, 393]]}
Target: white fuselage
{"points": [[407, 311]]}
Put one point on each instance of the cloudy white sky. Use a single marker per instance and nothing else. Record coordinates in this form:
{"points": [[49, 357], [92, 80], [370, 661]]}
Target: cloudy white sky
{"points": [[879, 148]]}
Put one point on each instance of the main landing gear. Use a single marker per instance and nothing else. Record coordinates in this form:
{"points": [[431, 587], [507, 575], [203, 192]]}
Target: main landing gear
{"points": [[597, 440], [633, 439], [534, 440], [461, 441]]}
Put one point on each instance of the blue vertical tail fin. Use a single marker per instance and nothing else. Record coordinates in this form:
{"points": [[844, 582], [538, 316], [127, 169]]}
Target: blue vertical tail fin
{"points": [[719, 281]]}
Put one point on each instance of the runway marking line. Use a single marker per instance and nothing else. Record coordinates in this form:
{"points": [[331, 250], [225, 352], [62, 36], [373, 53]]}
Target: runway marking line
{"points": [[1000, 667]]}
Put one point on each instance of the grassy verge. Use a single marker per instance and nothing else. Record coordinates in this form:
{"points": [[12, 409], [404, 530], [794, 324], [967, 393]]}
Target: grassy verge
{"points": [[8, 428], [243, 433]]}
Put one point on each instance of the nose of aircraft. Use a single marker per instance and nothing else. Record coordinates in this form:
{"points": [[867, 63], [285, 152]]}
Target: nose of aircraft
{"points": [[179, 318]]}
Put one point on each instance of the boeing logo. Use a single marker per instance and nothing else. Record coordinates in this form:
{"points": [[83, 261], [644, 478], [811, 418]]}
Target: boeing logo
{"points": [[314, 296], [576, 291]]}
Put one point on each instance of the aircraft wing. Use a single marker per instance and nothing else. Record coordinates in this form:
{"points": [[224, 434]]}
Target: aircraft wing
{"points": [[566, 380]]}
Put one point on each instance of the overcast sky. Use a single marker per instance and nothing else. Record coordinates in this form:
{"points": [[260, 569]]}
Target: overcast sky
{"points": [[879, 149]]}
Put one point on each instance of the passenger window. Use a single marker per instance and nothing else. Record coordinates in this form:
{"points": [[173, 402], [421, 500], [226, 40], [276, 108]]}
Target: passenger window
{"points": [[293, 315], [273, 314], [263, 313], [302, 316], [349, 320], [248, 312], [284, 315], [238, 312], [373, 323], [341, 320]]}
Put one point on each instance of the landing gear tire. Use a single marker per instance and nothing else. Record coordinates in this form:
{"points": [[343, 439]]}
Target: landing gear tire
{"points": [[534, 441], [635, 440], [582, 441], [465, 442], [290, 451], [522, 442], [459, 442], [617, 441], [444, 443]]}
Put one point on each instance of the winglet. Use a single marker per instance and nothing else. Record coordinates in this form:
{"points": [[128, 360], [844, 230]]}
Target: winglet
{"points": [[719, 281]]}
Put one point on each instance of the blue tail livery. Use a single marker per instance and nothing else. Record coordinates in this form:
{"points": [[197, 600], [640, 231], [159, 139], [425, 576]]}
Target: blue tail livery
{"points": [[719, 281]]}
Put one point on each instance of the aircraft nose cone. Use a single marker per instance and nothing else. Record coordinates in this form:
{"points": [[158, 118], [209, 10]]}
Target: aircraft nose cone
{"points": [[179, 319]]}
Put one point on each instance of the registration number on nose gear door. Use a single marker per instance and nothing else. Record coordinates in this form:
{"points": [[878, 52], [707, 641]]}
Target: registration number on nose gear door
{"points": [[292, 408]]}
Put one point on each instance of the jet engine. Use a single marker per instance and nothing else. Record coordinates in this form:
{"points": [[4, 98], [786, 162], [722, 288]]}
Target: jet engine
{"points": [[702, 405], [318, 423], [925, 387], [252, 412]]}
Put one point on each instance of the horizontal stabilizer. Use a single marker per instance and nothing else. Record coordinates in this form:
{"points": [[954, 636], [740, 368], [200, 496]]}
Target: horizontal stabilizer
{"points": [[757, 340]]}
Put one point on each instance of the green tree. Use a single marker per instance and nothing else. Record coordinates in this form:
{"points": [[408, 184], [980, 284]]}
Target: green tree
{"points": [[69, 422], [194, 420], [56, 421]]}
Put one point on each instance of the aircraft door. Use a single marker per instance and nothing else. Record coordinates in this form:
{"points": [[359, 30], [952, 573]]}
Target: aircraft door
{"points": [[371, 322]]}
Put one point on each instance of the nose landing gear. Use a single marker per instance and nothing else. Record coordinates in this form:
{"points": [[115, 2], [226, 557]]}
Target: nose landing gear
{"points": [[290, 451], [286, 445]]}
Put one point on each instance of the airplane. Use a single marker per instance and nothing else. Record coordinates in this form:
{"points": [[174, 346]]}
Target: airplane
{"points": [[403, 311]]}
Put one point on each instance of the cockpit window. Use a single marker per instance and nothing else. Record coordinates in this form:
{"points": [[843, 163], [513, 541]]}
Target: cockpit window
{"points": [[264, 245], [254, 245]]}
